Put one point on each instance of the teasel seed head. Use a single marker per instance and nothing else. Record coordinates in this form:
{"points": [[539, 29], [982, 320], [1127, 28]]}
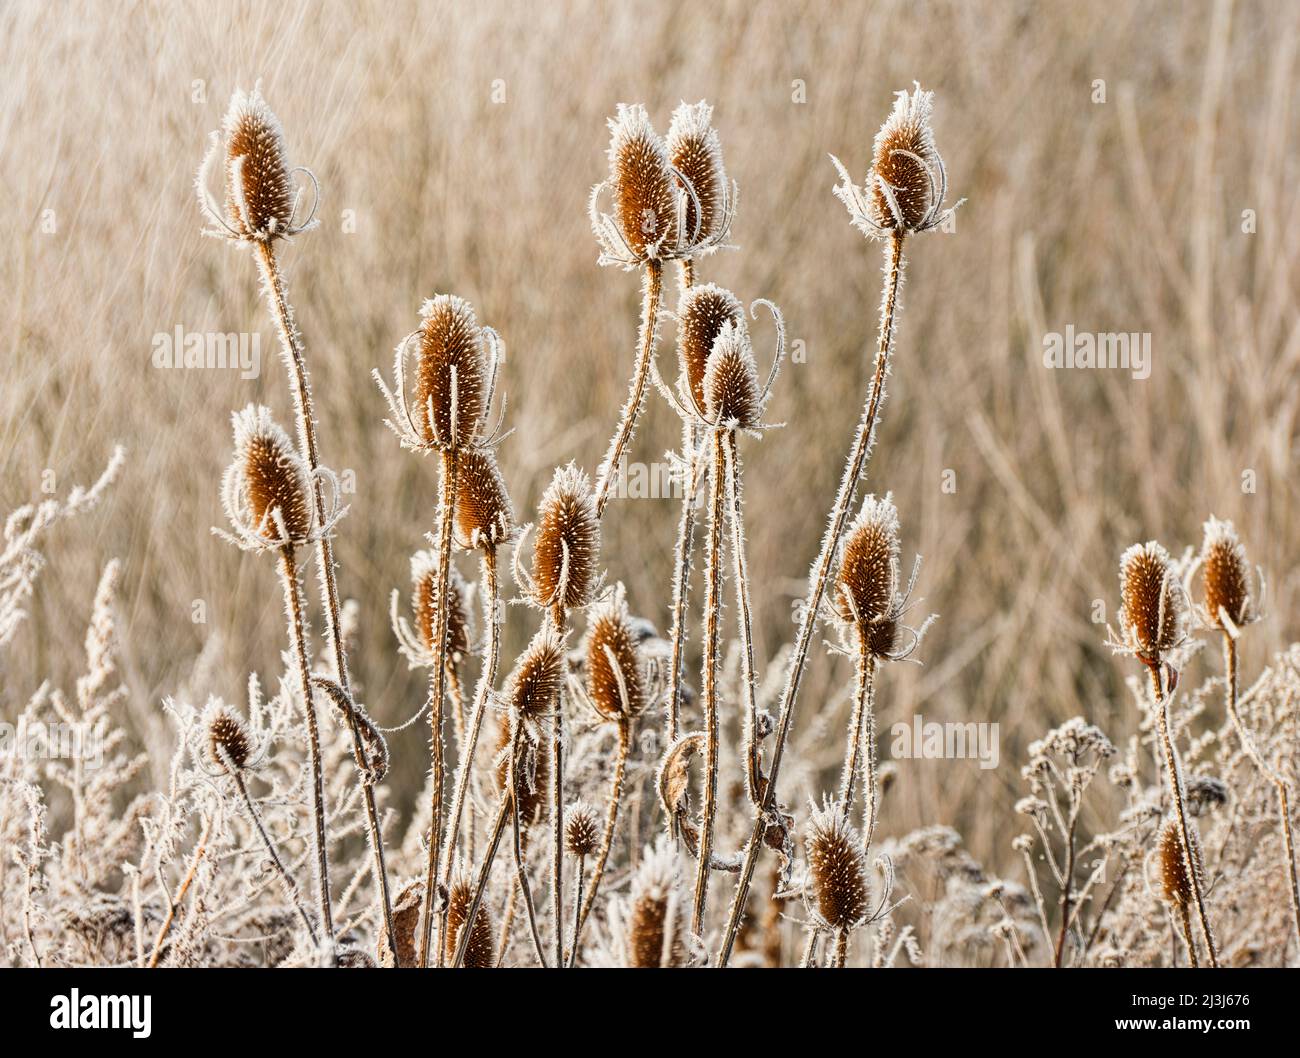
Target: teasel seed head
{"points": [[484, 516], [1152, 604], [837, 869], [267, 487], [259, 191], [534, 777], [566, 553], [656, 921], [480, 953], [228, 744], [645, 201], [701, 314], [581, 829], [1226, 578], [616, 681], [1175, 884], [695, 151], [733, 395], [424, 601], [866, 587], [537, 677], [451, 373]]}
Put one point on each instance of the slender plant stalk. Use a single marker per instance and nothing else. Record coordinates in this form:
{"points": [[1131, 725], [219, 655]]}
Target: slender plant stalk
{"points": [[682, 585], [487, 680], [1279, 783], [819, 576], [735, 516], [298, 633], [1185, 914], [607, 841], [579, 869], [712, 608], [841, 948], [861, 750], [1180, 809], [437, 691], [504, 809], [530, 909], [557, 807], [291, 887], [295, 361], [810, 949], [640, 377], [1066, 886], [200, 848]]}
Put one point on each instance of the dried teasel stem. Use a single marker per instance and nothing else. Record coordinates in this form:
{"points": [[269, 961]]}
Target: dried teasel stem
{"points": [[607, 838], [298, 635], [487, 680], [820, 575], [286, 879], [173, 902], [295, 360], [437, 692], [1230, 666], [681, 585], [709, 677], [652, 288], [1178, 797], [861, 749], [735, 518]]}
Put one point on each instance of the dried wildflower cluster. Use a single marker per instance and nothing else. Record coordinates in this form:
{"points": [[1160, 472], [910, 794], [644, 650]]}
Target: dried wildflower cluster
{"points": [[630, 782]]}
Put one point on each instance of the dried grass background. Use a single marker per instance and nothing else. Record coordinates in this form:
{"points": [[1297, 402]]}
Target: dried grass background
{"points": [[1122, 216]]}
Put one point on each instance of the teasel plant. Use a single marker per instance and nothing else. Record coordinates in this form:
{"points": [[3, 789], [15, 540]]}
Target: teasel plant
{"points": [[1153, 621], [729, 399], [1178, 874], [836, 893], [904, 195], [226, 748], [581, 840], [618, 688], [565, 577], [657, 216], [869, 602], [261, 207], [529, 702], [1228, 605], [448, 411], [269, 493]]}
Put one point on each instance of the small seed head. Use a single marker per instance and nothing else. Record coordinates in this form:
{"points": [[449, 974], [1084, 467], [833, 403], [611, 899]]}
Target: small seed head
{"points": [[701, 313], [484, 517], [480, 953], [566, 552], [903, 151], [656, 926], [1226, 577], [696, 152], [229, 747], [1175, 883], [581, 829], [1152, 606], [732, 393], [268, 483], [615, 678], [259, 196], [866, 589], [645, 201], [837, 869], [424, 601], [451, 377]]}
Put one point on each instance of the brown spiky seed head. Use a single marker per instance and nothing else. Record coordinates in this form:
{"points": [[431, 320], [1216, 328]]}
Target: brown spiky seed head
{"points": [[732, 393], [655, 923], [566, 553], [837, 869], [259, 190], [903, 151], [866, 587], [701, 312], [1175, 883], [695, 151], [227, 738], [424, 601], [581, 829], [480, 953], [1225, 575], [452, 373], [537, 677], [533, 787], [272, 475], [484, 516], [1152, 611], [645, 203], [615, 678]]}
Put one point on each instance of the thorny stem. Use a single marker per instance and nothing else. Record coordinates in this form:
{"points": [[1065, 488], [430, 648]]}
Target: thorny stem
{"points": [[1067, 885], [841, 948], [437, 690], [1279, 783], [291, 887], [753, 762], [298, 634], [173, 902], [709, 680], [1180, 809], [681, 586], [810, 949], [858, 740], [557, 807], [579, 869], [640, 376], [487, 679], [819, 575], [1185, 915], [530, 908], [291, 344], [504, 810], [607, 841]]}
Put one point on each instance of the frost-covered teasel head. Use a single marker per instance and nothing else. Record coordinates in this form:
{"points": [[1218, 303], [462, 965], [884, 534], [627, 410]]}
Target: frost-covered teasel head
{"points": [[484, 515], [838, 893], [1227, 598], [1153, 605], [261, 199], [416, 638], [565, 573], [617, 681], [906, 185], [695, 154]]}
